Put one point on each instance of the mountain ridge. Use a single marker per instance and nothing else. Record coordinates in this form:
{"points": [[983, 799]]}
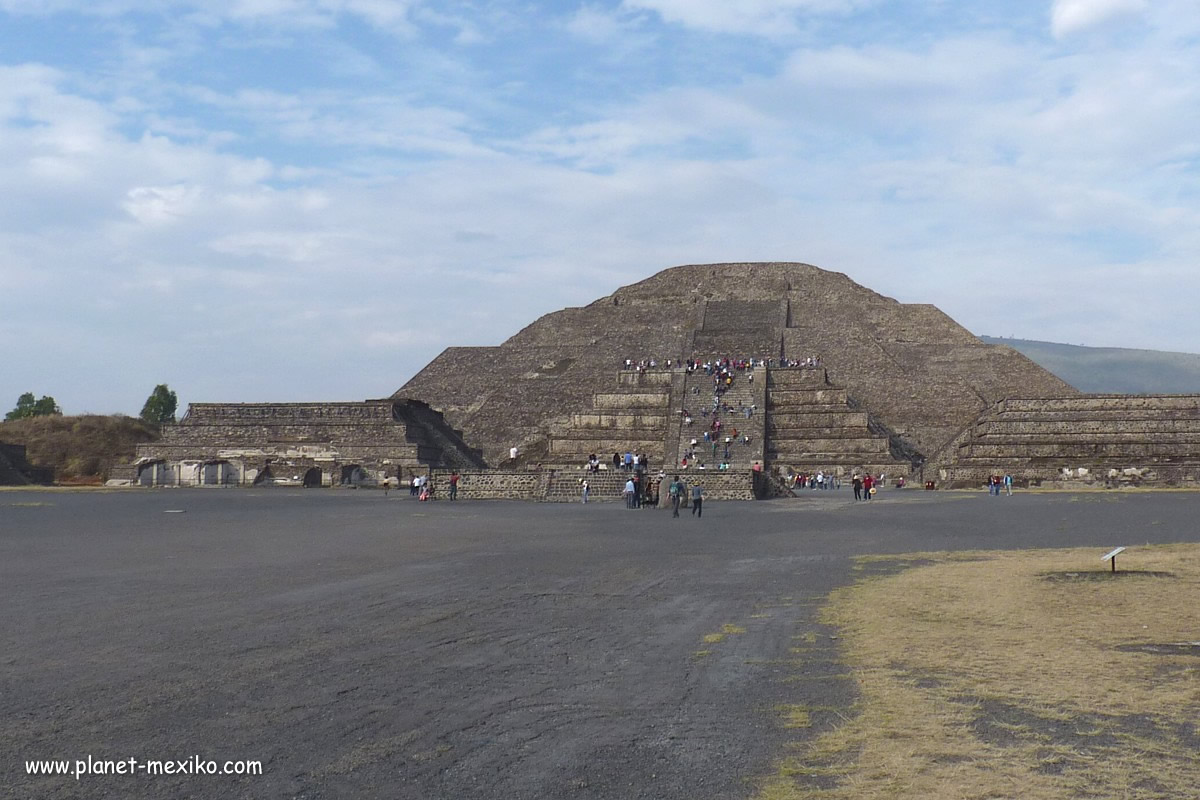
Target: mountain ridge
{"points": [[1118, 370]]}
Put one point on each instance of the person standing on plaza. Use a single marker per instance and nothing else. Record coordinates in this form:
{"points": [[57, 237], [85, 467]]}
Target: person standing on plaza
{"points": [[629, 490], [585, 491], [858, 486], [868, 485], [1008, 483], [697, 500], [454, 479], [676, 493]]}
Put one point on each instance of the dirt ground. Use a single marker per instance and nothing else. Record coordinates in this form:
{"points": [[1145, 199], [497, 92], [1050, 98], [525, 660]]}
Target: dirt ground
{"points": [[369, 646]]}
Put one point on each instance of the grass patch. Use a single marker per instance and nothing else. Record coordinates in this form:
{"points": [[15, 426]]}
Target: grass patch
{"points": [[728, 629], [980, 678]]}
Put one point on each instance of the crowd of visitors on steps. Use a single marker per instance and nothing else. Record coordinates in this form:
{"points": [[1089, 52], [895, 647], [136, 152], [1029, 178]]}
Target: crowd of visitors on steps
{"points": [[709, 365]]}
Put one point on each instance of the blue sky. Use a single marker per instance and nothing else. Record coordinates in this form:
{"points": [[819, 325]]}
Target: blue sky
{"points": [[259, 200]]}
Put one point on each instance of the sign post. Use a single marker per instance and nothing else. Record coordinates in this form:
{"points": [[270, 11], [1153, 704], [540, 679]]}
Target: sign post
{"points": [[1112, 557]]}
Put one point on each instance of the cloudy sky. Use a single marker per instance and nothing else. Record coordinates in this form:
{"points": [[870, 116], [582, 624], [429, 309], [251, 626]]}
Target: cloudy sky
{"points": [[258, 200]]}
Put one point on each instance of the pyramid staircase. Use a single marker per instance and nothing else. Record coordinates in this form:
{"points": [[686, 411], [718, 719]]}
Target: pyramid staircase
{"points": [[811, 426]]}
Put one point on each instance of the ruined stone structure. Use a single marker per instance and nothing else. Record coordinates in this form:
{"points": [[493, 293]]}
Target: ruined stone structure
{"points": [[303, 444], [15, 469], [898, 380], [1112, 440], [900, 389]]}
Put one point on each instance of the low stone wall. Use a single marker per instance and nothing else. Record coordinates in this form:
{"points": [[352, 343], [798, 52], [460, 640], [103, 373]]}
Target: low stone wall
{"points": [[493, 484], [563, 485]]}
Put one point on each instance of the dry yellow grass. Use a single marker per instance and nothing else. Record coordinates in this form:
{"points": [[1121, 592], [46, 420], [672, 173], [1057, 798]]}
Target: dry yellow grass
{"points": [[981, 677]]}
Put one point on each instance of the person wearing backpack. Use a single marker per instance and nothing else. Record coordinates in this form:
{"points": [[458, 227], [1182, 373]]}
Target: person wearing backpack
{"points": [[676, 492]]}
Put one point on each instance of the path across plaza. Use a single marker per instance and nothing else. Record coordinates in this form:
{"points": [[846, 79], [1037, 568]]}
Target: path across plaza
{"points": [[368, 646]]}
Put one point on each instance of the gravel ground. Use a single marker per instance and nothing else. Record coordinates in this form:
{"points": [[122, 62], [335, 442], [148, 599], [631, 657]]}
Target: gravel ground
{"points": [[368, 646]]}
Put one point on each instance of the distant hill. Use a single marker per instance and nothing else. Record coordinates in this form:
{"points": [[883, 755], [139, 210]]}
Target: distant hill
{"points": [[1112, 369], [78, 449]]}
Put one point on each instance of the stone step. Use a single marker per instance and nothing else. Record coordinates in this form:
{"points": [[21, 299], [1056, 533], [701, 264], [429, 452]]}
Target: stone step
{"points": [[1072, 435], [1130, 451], [622, 422], [795, 377], [1164, 427], [820, 432], [789, 409], [1097, 415], [1126, 403], [629, 402], [600, 444]]}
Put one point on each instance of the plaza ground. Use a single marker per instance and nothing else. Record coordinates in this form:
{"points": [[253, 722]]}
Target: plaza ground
{"points": [[372, 646]]}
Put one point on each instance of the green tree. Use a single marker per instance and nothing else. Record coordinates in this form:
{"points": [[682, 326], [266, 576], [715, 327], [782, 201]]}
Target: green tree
{"points": [[160, 406], [28, 407]]}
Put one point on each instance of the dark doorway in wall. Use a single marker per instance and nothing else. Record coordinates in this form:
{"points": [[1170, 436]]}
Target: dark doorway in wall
{"points": [[353, 475]]}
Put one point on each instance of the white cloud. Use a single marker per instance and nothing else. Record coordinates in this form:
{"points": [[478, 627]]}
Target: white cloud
{"points": [[157, 205], [1071, 16], [596, 24], [759, 17], [263, 232], [388, 15]]}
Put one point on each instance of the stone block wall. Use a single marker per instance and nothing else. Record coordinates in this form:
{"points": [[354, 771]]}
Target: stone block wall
{"points": [[493, 485], [1106, 439], [811, 427], [320, 444]]}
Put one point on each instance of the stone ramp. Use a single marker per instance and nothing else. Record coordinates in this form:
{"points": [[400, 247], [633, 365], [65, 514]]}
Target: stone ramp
{"points": [[428, 429]]}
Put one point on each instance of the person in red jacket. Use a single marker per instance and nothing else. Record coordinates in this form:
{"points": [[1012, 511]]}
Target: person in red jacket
{"points": [[868, 485]]}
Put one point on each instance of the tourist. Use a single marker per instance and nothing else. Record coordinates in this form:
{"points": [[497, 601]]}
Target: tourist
{"points": [[697, 501], [868, 486], [628, 461], [616, 461], [454, 478], [629, 490], [415, 489], [1008, 483], [512, 453], [637, 490], [675, 492], [583, 485]]}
